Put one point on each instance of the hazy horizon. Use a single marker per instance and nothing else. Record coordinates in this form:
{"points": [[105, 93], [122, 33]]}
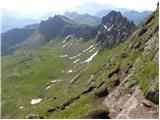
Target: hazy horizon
{"points": [[38, 8]]}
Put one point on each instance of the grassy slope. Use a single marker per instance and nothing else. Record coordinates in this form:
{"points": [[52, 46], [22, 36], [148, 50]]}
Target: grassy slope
{"points": [[145, 74], [26, 74]]}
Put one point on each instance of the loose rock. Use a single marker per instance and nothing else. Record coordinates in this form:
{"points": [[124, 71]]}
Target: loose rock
{"points": [[146, 103]]}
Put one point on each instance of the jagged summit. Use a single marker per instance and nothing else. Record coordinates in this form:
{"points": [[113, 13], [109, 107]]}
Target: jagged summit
{"points": [[112, 16], [114, 29]]}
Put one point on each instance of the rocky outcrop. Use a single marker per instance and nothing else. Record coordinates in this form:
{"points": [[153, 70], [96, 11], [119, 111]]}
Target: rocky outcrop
{"points": [[114, 29]]}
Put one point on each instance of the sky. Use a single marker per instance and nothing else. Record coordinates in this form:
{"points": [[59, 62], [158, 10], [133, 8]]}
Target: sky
{"points": [[38, 7]]}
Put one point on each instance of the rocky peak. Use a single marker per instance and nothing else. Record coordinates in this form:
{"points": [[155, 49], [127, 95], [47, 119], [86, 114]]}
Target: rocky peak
{"points": [[114, 29], [111, 17]]}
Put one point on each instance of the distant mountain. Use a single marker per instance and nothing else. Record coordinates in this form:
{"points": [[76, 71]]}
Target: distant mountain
{"points": [[12, 19], [10, 23], [136, 16], [46, 16], [102, 13], [107, 10], [91, 8], [83, 18]]}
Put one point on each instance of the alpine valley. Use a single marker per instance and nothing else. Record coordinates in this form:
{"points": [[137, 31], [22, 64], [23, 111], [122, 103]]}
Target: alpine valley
{"points": [[69, 67]]}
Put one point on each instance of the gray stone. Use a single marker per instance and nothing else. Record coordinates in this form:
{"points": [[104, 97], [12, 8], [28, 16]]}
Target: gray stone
{"points": [[146, 103]]}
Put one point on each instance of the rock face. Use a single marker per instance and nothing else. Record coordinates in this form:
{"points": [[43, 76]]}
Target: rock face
{"points": [[114, 29]]}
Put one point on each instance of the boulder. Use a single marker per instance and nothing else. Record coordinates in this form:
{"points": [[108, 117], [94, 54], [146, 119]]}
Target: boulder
{"points": [[146, 103], [153, 95]]}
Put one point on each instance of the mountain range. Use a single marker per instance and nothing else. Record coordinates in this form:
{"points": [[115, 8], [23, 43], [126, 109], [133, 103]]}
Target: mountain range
{"points": [[83, 18], [11, 19], [88, 13]]}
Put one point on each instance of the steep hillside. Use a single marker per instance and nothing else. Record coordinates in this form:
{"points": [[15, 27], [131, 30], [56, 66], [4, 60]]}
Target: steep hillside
{"points": [[83, 18], [77, 78]]}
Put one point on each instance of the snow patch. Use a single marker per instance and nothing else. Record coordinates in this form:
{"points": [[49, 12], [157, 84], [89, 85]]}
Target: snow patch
{"points": [[105, 27], [92, 49], [65, 45], [64, 55], [70, 71], [76, 61], [69, 45], [35, 101], [21, 107], [75, 56], [48, 87], [54, 81], [69, 36], [81, 38], [110, 28], [91, 57], [88, 48]]}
